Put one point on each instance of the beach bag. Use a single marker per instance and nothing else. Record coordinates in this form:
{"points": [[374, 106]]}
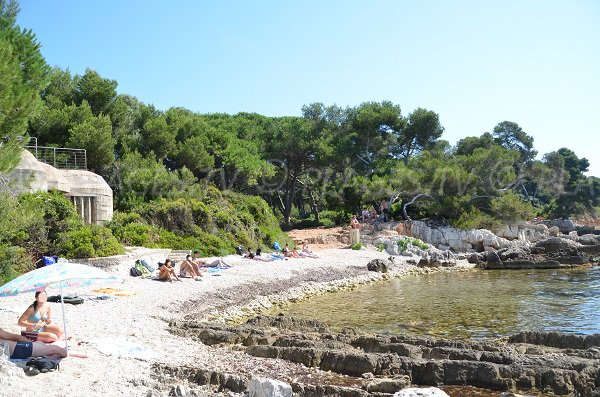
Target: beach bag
{"points": [[49, 260], [143, 270], [43, 364], [74, 300], [31, 335], [134, 272], [145, 264]]}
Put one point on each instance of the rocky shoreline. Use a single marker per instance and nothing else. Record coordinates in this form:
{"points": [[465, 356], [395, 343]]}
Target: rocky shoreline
{"points": [[376, 365]]}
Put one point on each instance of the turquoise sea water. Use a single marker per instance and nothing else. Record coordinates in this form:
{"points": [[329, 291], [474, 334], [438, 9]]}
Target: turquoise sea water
{"points": [[473, 304]]}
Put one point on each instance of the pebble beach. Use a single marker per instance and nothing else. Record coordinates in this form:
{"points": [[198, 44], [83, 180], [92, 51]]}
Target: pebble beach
{"points": [[126, 333]]}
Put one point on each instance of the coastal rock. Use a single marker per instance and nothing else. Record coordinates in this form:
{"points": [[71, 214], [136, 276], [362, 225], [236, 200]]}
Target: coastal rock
{"points": [[492, 260], [378, 265], [556, 244], [527, 361], [387, 385], [264, 387], [421, 392], [554, 231]]}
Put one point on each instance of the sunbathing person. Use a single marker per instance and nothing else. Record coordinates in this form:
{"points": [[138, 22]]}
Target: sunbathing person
{"points": [[306, 252], [20, 347], [189, 269], [219, 262], [258, 256], [167, 272], [38, 318], [290, 253]]}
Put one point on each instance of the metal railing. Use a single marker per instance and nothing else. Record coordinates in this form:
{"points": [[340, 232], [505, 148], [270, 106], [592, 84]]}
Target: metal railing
{"points": [[63, 158]]}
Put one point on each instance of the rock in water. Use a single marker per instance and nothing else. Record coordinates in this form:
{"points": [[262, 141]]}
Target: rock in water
{"points": [[421, 392], [263, 387]]}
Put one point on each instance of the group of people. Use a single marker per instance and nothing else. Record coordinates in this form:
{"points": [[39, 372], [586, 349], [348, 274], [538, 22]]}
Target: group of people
{"points": [[286, 253], [370, 216], [39, 332], [192, 267]]}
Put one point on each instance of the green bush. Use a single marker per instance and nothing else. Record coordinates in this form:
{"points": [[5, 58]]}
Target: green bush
{"points": [[381, 247], [403, 244], [90, 241], [476, 219], [357, 246], [213, 221], [13, 262]]}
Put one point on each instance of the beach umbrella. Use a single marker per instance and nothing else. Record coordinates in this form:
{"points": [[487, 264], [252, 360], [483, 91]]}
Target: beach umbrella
{"points": [[61, 275]]}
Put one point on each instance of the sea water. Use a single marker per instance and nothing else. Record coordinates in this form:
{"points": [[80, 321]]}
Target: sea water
{"points": [[474, 304]]}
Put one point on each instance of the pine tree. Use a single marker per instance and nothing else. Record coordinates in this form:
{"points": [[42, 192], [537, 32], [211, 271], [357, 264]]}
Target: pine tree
{"points": [[23, 72]]}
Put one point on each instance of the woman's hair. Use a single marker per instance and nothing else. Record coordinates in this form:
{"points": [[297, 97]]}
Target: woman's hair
{"points": [[168, 261], [35, 302], [188, 256]]}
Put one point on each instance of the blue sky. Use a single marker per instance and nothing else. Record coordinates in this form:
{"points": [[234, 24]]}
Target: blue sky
{"points": [[475, 63]]}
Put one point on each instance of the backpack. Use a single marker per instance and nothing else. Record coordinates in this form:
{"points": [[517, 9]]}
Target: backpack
{"points": [[135, 272], [144, 263], [43, 364], [142, 269]]}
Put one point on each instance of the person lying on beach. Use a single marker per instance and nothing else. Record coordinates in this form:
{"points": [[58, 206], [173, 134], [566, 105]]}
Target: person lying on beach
{"points": [[218, 263], [38, 318], [258, 256], [306, 252], [20, 348], [166, 272], [189, 269]]}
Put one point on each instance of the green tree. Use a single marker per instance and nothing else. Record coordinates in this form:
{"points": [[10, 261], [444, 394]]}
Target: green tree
{"points": [[23, 72], [422, 130], [95, 136], [99, 92], [510, 136]]}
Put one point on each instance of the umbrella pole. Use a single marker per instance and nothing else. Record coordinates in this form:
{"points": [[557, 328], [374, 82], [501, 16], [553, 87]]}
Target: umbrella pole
{"points": [[62, 305]]}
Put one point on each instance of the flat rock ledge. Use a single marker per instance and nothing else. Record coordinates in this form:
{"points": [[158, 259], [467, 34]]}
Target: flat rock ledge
{"points": [[377, 365]]}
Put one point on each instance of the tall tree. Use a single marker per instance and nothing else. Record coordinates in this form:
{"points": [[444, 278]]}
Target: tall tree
{"points": [[510, 136], [23, 72], [422, 130]]}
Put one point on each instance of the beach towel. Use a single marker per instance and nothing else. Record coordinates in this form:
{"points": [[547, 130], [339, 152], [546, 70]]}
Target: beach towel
{"points": [[114, 291], [121, 347]]}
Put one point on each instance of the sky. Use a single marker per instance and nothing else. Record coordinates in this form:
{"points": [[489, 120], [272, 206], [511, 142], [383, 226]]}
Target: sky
{"points": [[475, 63]]}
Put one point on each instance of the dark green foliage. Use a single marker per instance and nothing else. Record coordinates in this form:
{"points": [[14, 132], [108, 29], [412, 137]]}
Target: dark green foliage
{"points": [[89, 241], [210, 220], [13, 262]]}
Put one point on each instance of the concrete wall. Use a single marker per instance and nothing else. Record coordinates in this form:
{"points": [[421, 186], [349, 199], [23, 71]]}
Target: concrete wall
{"points": [[89, 192]]}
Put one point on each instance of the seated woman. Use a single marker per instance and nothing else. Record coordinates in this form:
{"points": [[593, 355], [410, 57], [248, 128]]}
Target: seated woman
{"points": [[188, 269], [290, 253], [306, 252], [37, 318], [167, 272]]}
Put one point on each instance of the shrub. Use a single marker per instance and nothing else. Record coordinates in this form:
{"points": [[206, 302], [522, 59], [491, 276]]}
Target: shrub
{"points": [[475, 219], [357, 246], [13, 262], [381, 247], [90, 241]]}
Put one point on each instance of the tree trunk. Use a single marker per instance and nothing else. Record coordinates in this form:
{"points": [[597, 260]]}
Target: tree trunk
{"points": [[418, 196]]}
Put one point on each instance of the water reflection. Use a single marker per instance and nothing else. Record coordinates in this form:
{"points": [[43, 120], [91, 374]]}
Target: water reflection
{"points": [[476, 304]]}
